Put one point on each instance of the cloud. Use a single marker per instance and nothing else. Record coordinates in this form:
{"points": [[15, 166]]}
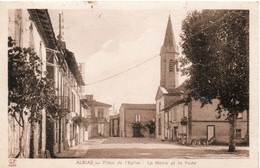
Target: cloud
{"points": [[137, 85], [118, 55], [107, 44]]}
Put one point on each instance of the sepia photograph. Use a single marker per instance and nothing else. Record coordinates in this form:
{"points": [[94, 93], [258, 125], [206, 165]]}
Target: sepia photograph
{"points": [[131, 84]]}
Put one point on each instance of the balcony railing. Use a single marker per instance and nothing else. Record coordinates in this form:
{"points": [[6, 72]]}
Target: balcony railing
{"points": [[64, 103]]}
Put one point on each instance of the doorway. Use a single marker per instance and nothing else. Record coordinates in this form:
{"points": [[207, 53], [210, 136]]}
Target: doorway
{"points": [[210, 132], [174, 133]]}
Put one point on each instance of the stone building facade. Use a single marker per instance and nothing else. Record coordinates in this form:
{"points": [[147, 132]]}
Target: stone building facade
{"points": [[33, 28], [98, 117], [189, 122], [135, 113], [24, 31]]}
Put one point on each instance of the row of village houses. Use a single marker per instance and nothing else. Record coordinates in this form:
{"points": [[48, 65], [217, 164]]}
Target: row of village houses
{"points": [[77, 112], [179, 121]]}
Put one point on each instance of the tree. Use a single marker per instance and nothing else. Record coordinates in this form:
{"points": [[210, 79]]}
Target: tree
{"points": [[216, 49], [30, 91], [137, 129], [80, 121], [151, 126]]}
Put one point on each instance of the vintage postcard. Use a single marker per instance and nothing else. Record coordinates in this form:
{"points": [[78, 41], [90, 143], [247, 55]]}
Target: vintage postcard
{"points": [[129, 84]]}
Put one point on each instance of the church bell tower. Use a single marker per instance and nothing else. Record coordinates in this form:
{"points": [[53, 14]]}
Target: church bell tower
{"points": [[169, 64]]}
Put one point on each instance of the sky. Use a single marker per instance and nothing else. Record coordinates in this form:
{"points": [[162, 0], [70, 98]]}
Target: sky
{"points": [[113, 41]]}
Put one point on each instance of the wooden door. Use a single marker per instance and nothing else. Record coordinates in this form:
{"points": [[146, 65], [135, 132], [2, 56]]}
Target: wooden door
{"points": [[210, 131]]}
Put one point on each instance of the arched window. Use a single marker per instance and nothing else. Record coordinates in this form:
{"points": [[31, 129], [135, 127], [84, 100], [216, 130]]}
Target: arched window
{"points": [[171, 65]]}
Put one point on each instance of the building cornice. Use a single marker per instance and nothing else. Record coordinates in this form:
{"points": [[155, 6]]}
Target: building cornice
{"points": [[43, 24]]}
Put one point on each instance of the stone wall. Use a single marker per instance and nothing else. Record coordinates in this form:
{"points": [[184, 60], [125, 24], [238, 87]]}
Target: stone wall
{"points": [[14, 134], [199, 131], [145, 115], [207, 115]]}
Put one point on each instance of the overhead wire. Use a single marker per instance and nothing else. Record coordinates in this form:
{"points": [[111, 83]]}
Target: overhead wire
{"points": [[120, 73], [98, 81]]}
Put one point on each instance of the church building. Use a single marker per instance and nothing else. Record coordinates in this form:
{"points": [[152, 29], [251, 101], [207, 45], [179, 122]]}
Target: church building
{"points": [[188, 122], [167, 92]]}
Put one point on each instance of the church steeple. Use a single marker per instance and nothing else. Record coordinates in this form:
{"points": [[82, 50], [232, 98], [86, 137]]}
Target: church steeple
{"points": [[169, 39], [169, 65]]}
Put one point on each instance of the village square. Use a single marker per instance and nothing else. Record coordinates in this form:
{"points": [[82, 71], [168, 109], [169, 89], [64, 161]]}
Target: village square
{"points": [[128, 84]]}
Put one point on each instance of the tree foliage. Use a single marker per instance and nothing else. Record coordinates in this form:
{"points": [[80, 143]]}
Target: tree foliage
{"points": [[137, 129], [151, 126], [30, 91], [79, 120], [216, 46], [216, 49]]}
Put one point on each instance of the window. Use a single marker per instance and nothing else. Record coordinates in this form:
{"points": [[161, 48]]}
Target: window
{"points": [[240, 116], [171, 65], [18, 27], [73, 130], [73, 102], [89, 113], [170, 115], [238, 133], [95, 112], [100, 129], [175, 132], [137, 118], [185, 109], [100, 113], [179, 113], [174, 115], [166, 117]]}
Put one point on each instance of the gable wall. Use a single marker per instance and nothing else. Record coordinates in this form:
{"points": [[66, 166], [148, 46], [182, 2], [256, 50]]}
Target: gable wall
{"points": [[208, 112]]}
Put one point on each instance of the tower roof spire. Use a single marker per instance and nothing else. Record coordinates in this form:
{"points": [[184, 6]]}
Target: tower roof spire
{"points": [[169, 39]]}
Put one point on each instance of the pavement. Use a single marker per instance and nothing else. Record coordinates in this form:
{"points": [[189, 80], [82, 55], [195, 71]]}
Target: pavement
{"points": [[117, 147], [80, 150]]}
